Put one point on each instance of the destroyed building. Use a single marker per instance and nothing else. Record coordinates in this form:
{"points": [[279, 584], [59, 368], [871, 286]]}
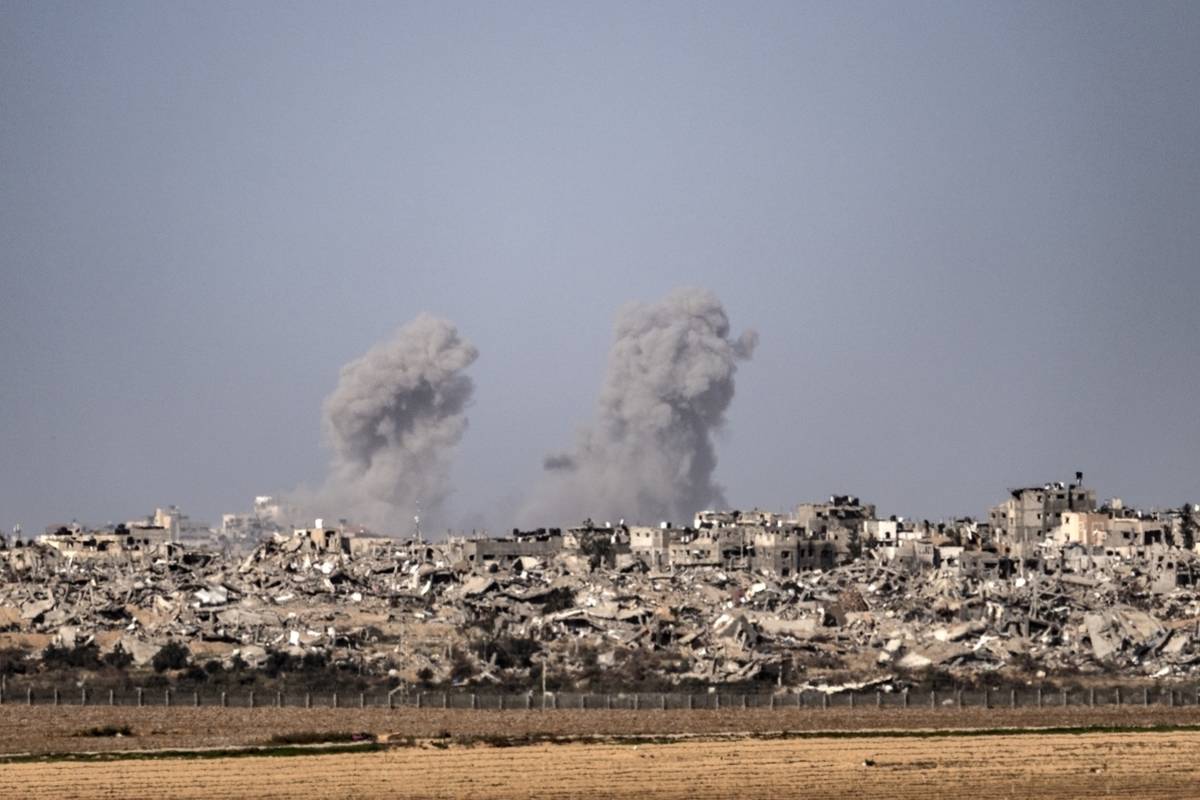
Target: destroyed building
{"points": [[1029, 514], [121, 542], [243, 531], [734, 597]]}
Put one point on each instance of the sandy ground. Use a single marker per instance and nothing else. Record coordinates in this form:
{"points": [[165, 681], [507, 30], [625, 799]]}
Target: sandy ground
{"points": [[46, 729], [1136, 765]]}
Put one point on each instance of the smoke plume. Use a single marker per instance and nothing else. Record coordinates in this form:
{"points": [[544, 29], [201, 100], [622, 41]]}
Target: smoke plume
{"points": [[649, 454], [393, 422]]}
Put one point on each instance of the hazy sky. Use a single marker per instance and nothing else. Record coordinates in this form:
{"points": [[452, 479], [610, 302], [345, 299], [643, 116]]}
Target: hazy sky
{"points": [[967, 233]]}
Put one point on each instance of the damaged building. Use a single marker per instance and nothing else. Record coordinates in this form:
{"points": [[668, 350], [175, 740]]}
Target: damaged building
{"points": [[827, 593]]}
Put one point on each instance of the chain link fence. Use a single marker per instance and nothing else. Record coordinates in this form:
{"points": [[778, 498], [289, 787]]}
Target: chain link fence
{"points": [[14, 694]]}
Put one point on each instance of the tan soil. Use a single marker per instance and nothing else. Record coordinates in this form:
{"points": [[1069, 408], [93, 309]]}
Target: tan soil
{"points": [[47, 729], [1141, 765]]}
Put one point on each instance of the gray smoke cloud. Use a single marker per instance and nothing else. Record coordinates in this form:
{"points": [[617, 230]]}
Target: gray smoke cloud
{"points": [[393, 422], [649, 453]]}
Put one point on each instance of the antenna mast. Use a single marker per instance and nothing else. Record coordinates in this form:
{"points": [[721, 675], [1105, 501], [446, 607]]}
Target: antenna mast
{"points": [[417, 522]]}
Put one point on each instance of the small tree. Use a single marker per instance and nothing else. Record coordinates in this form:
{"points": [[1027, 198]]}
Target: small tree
{"points": [[82, 656], [1188, 526], [277, 662], [462, 666], [12, 661], [558, 599], [314, 661], [598, 547], [118, 658], [173, 655]]}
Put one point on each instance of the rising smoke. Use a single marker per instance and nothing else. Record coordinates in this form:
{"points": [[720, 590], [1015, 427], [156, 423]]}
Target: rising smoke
{"points": [[649, 453], [393, 422]]}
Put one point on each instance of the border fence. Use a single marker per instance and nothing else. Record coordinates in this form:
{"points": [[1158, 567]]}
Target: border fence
{"points": [[630, 701]]}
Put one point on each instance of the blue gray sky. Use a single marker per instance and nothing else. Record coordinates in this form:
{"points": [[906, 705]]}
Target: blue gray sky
{"points": [[968, 235]]}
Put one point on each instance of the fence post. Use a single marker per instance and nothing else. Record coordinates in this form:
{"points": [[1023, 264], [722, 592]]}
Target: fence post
{"points": [[958, 697], [637, 701], [1171, 698], [420, 699], [933, 698], [1145, 696], [825, 699], [55, 696], [335, 699], [745, 701], [224, 700], [664, 701], [475, 700], [691, 701], [1039, 697], [528, 700], [1012, 698], [1092, 697], [362, 699], [112, 697], [29, 697], [445, 699], [167, 698], [906, 698], [83, 696], [252, 698], [279, 699], [879, 699], [1118, 695], [307, 700], [852, 699], [1066, 698], [196, 698], [139, 697]]}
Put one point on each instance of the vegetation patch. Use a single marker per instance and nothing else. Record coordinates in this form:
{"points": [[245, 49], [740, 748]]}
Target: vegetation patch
{"points": [[107, 730], [320, 737], [284, 751]]}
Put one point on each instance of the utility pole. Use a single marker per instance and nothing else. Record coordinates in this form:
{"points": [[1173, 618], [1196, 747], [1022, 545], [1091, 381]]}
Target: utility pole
{"points": [[417, 523]]}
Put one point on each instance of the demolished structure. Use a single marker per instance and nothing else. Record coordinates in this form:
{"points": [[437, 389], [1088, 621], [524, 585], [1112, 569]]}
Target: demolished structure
{"points": [[825, 594]]}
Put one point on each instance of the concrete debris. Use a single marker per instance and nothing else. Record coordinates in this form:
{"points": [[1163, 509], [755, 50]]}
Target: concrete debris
{"points": [[495, 611]]}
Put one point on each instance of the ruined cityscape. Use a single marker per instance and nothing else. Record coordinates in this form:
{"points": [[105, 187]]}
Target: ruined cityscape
{"points": [[1049, 586], [627, 400]]}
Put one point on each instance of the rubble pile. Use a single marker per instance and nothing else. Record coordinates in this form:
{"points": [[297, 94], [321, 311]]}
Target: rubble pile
{"points": [[419, 613]]}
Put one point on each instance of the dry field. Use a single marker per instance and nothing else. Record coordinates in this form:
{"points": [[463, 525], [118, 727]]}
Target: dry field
{"points": [[1129, 765], [717, 754], [46, 729]]}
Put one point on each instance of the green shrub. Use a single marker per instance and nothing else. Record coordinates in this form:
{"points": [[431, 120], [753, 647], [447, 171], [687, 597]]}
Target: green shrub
{"points": [[82, 656], [118, 658], [13, 661], [173, 655], [107, 730]]}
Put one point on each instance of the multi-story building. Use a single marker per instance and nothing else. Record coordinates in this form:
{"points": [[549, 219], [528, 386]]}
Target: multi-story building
{"points": [[652, 545], [1025, 519], [842, 511]]}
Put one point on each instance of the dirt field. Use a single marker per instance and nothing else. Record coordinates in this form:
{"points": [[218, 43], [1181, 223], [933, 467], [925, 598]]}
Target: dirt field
{"points": [[1138, 765], [46, 729], [725, 761]]}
